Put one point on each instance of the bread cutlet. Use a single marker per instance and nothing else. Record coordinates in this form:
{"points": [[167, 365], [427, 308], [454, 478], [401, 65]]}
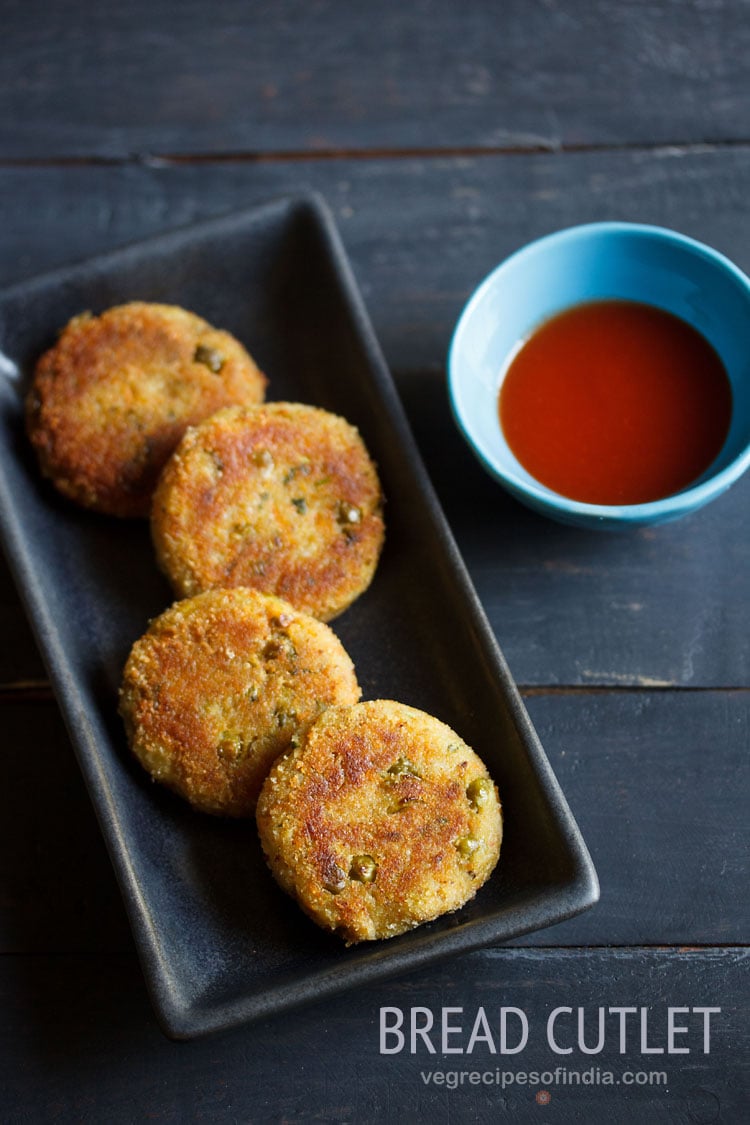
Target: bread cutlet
{"points": [[112, 398], [220, 685], [382, 818], [281, 497]]}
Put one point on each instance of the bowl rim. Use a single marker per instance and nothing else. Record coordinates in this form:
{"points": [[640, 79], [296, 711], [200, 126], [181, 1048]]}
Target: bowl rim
{"points": [[675, 504]]}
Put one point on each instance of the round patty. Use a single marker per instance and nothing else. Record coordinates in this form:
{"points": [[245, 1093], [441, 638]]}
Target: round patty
{"points": [[223, 683], [281, 497], [110, 401], [381, 819]]}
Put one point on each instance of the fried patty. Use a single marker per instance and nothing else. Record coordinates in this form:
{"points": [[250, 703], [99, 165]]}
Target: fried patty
{"points": [[110, 401], [381, 819], [223, 683], [281, 497]]}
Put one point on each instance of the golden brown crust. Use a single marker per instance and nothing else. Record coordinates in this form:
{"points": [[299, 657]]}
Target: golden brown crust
{"points": [[112, 398], [282, 497], [381, 819], [223, 683]]}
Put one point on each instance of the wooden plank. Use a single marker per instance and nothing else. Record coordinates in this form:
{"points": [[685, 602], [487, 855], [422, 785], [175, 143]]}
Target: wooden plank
{"points": [[653, 607], [78, 1043], [130, 77], [20, 662], [657, 781], [422, 233], [664, 606]]}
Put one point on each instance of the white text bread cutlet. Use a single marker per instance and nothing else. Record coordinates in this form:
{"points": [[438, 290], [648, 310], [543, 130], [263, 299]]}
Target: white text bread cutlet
{"points": [[281, 497], [223, 683], [381, 819], [112, 398]]}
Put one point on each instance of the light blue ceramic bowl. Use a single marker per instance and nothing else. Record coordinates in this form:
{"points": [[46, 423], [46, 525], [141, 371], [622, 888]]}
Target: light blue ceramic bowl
{"points": [[585, 263]]}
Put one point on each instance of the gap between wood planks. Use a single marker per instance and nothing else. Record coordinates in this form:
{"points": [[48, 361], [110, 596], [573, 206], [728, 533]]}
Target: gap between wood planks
{"points": [[40, 691], [309, 155]]}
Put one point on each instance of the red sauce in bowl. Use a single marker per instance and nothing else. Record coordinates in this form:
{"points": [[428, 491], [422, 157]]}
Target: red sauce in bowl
{"points": [[615, 402]]}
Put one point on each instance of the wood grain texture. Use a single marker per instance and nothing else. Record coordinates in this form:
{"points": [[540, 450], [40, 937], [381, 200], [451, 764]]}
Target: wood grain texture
{"points": [[133, 77], [654, 607], [78, 1043], [421, 232], [669, 606], [652, 779], [657, 781]]}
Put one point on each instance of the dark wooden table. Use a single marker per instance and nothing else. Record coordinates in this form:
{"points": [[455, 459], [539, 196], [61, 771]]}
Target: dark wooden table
{"points": [[443, 135]]}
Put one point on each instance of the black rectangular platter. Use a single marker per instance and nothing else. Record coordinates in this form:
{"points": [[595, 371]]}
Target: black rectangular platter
{"points": [[219, 943]]}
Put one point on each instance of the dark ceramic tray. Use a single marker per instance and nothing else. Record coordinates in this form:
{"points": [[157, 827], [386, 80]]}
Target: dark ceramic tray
{"points": [[219, 942]]}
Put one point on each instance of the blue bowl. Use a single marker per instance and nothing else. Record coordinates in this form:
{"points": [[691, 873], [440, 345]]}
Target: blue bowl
{"points": [[595, 262]]}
